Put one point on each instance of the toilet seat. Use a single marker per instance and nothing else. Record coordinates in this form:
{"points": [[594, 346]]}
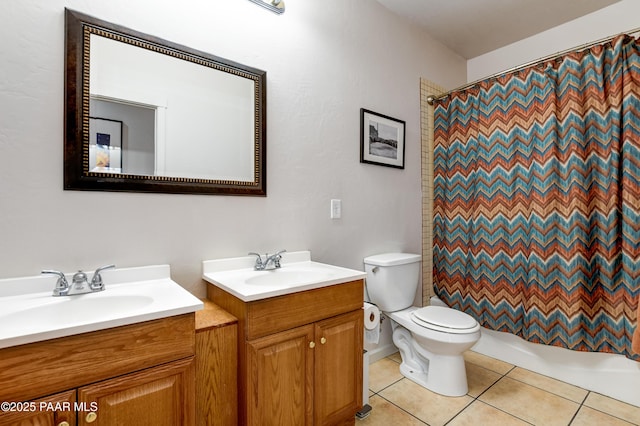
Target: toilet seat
{"points": [[446, 320]]}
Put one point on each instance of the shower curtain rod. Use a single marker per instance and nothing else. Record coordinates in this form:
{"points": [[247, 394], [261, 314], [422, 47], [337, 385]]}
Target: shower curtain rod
{"points": [[431, 99]]}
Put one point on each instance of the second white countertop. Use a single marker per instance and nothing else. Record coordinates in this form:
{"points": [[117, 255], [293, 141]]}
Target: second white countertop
{"points": [[297, 273]]}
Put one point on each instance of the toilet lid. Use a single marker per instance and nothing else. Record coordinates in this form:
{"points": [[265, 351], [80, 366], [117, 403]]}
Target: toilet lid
{"points": [[439, 318]]}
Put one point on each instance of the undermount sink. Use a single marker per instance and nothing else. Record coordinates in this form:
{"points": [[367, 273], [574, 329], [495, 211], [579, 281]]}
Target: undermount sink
{"points": [[30, 313], [297, 273]]}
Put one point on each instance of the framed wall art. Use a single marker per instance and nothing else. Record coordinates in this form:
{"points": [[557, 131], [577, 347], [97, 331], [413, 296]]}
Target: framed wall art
{"points": [[381, 139]]}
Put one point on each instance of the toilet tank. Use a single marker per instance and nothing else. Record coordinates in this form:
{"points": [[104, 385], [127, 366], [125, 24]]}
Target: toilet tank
{"points": [[392, 279]]}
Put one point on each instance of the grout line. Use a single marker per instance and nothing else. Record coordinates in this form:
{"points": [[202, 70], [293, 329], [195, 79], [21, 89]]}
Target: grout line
{"points": [[492, 385], [461, 411], [579, 407], [388, 386], [402, 409], [548, 391], [502, 376], [606, 413], [492, 406]]}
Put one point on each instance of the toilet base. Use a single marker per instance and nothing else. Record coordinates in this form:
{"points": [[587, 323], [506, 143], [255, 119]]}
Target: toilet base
{"points": [[442, 374], [445, 379]]}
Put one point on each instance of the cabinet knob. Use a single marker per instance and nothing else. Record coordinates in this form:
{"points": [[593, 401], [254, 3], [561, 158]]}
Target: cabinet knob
{"points": [[63, 423], [323, 340], [312, 345], [91, 417]]}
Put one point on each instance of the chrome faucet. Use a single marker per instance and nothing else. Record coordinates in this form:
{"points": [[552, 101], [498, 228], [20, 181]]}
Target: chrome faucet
{"points": [[79, 283], [273, 260]]}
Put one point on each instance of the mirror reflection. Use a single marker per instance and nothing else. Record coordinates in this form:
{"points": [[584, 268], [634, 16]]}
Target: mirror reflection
{"points": [[156, 116]]}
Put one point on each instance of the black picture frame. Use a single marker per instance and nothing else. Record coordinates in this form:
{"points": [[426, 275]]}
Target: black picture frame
{"points": [[382, 139], [105, 145]]}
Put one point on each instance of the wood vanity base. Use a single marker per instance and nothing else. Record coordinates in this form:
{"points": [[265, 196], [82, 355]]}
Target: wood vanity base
{"points": [[143, 371], [299, 355]]}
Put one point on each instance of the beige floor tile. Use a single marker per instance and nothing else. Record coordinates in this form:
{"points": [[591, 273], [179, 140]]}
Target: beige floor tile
{"points": [[614, 407], [427, 406], [383, 373], [590, 417], [384, 413], [530, 403], [557, 387], [395, 357], [479, 379], [489, 363], [480, 414]]}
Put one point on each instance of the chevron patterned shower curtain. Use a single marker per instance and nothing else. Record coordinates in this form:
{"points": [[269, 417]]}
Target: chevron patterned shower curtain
{"points": [[537, 200]]}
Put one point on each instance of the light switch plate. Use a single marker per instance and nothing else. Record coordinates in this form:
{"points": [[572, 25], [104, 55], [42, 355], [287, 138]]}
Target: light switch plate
{"points": [[336, 209]]}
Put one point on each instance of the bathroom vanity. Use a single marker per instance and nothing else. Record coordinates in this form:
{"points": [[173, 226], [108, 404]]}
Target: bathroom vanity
{"points": [[122, 355], [299, 350], [142, 373]]}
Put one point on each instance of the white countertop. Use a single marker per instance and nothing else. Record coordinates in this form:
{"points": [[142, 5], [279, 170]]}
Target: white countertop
{"points": [[297, 273], [29, 313]]}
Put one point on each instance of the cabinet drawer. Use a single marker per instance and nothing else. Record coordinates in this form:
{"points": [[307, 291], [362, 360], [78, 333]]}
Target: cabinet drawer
{"points": [[263, 317], [51, 366]]}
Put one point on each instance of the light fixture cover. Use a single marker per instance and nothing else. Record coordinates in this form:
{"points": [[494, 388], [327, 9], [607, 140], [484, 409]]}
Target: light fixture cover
{"points": [[276, 6]]}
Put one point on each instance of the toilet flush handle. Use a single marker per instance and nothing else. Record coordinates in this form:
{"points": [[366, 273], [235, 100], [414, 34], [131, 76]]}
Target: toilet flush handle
{"points": [[375, 269]]}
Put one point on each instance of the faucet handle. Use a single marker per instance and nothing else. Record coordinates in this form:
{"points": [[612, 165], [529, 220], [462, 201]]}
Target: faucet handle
{"points": [[96, 281], [62, 285], [258, 258], [277, 257]]}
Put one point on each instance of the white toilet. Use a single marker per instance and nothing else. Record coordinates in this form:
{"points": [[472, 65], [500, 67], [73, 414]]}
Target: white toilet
{"points": [[432, 339]]}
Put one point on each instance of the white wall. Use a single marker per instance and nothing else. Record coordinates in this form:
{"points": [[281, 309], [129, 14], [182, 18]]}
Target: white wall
{"points": [[324, 61], [617, 18]]}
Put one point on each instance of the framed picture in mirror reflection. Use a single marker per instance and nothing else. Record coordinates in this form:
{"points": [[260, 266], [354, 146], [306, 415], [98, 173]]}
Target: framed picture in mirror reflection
{"points": [[105, 145]]}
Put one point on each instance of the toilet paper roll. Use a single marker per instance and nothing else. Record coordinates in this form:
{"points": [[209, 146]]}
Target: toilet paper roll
{"points": [[371, 323], [371, 316]]}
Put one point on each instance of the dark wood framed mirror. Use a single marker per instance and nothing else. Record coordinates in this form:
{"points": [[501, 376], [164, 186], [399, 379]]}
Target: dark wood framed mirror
{"points": [[146, 115]]}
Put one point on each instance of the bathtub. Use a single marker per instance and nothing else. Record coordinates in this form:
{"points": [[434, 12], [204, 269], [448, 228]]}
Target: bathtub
{"points": [[607, 374]]}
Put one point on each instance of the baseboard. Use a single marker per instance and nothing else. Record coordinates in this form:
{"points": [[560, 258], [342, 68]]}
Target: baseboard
{"points": [[381, 352]]}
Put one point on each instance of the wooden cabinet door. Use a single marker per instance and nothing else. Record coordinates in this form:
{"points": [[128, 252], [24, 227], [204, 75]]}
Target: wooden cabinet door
{"points": [[217, 376], [162, 395], [53, 410], [279, 380], [338, 368]]}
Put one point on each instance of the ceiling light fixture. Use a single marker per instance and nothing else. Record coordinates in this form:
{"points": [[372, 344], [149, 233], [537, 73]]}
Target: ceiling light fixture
{"points": [[276, 6]]}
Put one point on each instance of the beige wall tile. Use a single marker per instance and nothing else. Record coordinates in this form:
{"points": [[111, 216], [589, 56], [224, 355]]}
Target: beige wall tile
{"points": [[427, 88], [530, 403]]}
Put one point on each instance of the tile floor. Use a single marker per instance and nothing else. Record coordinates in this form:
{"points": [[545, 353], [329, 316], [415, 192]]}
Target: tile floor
{"points": [[499, 394]]}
